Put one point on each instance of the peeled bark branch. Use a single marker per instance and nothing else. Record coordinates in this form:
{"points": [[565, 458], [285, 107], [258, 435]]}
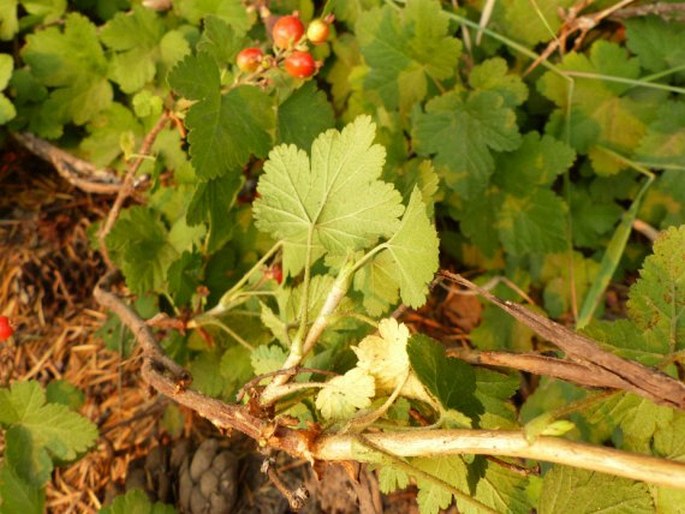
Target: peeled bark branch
{"points": [[506, 443]]}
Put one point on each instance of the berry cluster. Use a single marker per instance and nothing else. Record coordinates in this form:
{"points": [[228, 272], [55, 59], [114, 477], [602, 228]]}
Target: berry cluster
{"points": [[290, 42]]}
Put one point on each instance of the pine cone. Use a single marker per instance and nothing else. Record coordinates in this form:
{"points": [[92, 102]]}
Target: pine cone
{"points": [[208, 480]]}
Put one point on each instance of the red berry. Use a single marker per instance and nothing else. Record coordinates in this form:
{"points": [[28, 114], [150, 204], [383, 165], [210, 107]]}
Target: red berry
{"points": [[300, 65], [318, 31], [277, 274], [287, 31], [249, 59], [6, 329]]}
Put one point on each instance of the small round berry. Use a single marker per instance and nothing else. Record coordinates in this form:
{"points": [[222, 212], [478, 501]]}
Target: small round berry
{"points": [[6, 329], [249, 59], [300, 64], [287, 31], [277, 273], [318, 31]]}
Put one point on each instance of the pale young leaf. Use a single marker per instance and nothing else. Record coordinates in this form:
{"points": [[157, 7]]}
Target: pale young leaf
{"points": [[384, 356], [342, 396]]}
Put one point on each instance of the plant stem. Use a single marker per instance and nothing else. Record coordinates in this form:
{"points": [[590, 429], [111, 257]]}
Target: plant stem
{"points": [[508, 443], [228, 297], [338, 291], [296, 350]]}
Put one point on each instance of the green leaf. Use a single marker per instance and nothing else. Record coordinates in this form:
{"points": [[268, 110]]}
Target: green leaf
{"points": [[494, 390], [65, 393], [417, 173], [452, 381], [391, 479], [6, 67], [212, 203], [333, 201], [491, 75], [593, 219], [62, 432], [73, 62], [291, 304], [232, 12], [206, 372], [664, 142], [536, 163], [622, 337], [669, 440], [9, 23], [659, 44], [600, 115], [183, 277], [224, 129], [43, 11], [449, 468], [406, 50], [378, 285], [105, 131], [275, 324], [499, 488], [535, 223], [303, 116], [136, 501], [30, 460], [7, 110], [461, 131], [235, 368], [139, 245], [197, 77], [528, 23], [410, 257], [266, 359], [558, 271], [657, 299], [638, 418], [499, 331], [134, 37], [18, 496], [478, 218], [567, 489], [220, 40], [342, 396]]}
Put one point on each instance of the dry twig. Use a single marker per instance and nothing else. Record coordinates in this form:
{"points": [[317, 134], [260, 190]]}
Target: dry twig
{"points": [[77, 172], [628, 375], [129, 186]]}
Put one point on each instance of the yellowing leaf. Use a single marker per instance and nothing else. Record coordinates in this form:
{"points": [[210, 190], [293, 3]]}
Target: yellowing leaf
{"points": [[385, 358], [342, 396]]}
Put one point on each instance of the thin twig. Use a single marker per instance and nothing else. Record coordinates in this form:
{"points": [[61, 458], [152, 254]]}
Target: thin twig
{"points": [[581, 373], [128, 186], [666, 11], [77, 172], [635, 377]]}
